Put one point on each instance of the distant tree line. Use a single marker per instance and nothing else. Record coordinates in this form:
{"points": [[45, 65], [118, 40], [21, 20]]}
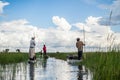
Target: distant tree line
{"points": [[7, 50]]}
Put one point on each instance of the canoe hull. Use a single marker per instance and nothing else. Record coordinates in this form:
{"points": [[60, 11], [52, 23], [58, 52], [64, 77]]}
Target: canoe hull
{"points": [[73, 61], [31, 61]]}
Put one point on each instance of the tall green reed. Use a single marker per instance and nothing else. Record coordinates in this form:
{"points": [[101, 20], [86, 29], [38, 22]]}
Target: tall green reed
{"points": [[6, 58], [105, 66]]}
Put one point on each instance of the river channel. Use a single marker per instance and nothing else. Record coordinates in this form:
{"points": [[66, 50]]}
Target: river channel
{"points": [[49, 69]]}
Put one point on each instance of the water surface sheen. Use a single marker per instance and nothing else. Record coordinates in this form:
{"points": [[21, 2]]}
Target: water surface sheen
{"points": [[50, 69]]}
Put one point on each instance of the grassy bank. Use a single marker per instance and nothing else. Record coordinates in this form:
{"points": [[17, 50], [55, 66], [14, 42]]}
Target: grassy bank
{"points": [[7, 58]]}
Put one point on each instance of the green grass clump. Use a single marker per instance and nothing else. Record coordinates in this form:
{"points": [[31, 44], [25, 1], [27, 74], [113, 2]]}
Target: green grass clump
{"points": [[105, 66], [7, 58]]}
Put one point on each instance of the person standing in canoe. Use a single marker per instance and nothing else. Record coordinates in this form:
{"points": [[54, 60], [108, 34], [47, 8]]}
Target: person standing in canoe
{"points": [[44, 49], [79, 45], [32, 55]]}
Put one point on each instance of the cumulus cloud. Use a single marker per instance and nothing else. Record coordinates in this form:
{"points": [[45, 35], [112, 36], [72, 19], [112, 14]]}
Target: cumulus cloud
{"points": [[2, 5], [92, 25], [17, 34], [82, 26], [61, 23], [114, 18], [96, 34]]}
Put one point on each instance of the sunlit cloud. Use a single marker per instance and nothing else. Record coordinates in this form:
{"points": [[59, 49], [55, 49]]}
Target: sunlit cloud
{"points": [[61, 23], [2, 5], [113, 17], [92, 25], [17, 34]]}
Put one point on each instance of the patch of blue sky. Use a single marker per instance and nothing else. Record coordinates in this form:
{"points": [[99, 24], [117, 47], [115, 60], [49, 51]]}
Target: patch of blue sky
{"points": [[40, 12]]}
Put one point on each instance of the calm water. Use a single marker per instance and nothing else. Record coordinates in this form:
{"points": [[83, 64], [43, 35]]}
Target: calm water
{"points": [[50, 69]]}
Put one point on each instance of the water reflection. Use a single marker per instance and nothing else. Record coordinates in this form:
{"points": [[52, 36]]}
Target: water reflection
{"points": [[44, 69], [84, 73], [80, 74], [13, 71], [44, 62], [31, 71]]}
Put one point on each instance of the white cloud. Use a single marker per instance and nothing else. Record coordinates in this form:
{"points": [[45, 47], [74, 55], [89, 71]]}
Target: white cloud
{"points": [[82, 26], [61, 23], [115, 7], [92, 25], [2, 5], [17, 34], [96, 34], [115, 16]]}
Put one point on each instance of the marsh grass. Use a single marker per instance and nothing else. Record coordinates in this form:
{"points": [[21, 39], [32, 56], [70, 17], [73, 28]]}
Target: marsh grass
{"points": [[105, 66], [7, 58]]}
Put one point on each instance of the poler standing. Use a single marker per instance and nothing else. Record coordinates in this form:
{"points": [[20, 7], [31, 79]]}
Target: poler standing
{"points": [[79, 45], [32, 49], [44, 49]]}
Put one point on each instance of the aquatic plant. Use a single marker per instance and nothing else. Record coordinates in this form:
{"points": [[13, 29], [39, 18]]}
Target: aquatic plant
{"points": [[7, 58], [105, 66]]}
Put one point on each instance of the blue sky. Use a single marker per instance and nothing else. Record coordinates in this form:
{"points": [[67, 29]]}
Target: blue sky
{"points": [[57, 23], [40, 12]]}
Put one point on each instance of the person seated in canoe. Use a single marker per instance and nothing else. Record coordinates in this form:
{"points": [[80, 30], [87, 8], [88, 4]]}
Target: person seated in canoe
{"points": [[79, 45], [32, 55]]}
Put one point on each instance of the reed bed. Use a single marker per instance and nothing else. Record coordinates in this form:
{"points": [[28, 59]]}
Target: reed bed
{"points": [[104, 66], [8, 58]]}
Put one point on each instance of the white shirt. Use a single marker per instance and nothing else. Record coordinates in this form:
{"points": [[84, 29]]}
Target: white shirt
{"points": [[32, 43]]}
